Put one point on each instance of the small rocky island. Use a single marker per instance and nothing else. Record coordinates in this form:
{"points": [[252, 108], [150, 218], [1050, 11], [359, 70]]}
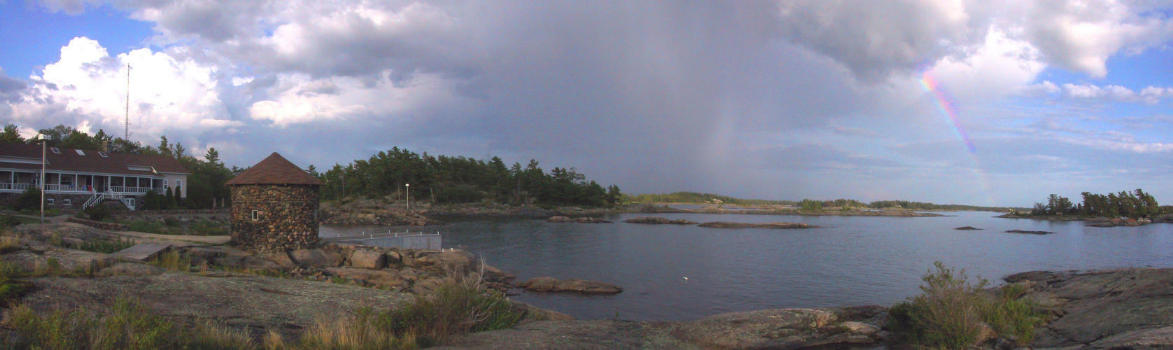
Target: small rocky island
{"points": [[770, 225]]}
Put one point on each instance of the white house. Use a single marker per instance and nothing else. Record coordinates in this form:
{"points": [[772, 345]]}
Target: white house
{"points": [[77, 179]]}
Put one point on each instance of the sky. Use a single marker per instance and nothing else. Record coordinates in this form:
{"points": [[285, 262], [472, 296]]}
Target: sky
{"points": [[988, 102]]}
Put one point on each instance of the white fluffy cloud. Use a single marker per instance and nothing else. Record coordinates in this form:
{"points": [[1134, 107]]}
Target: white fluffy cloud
{"points": [[1083, 35], [87, 85]]}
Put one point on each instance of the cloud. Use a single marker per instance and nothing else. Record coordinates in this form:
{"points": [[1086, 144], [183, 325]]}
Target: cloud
{"points": [[1083, 35], [655, 96], [87, 85]]}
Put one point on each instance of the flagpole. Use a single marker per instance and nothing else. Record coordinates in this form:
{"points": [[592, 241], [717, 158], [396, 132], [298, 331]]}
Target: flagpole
{"points": [[42, 182]]}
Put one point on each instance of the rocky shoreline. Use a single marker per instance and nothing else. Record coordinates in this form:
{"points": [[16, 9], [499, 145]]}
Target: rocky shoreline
{"points": [[1113, 309]]}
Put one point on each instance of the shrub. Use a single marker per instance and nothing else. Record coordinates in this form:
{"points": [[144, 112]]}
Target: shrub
{"points": [[29, 200], [454, 307], [954, 314], [9, 221], [170, 221], [98, 212]]}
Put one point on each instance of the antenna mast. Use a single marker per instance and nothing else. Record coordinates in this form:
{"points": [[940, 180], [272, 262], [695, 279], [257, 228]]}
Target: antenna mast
{"points": [[126, 125]]}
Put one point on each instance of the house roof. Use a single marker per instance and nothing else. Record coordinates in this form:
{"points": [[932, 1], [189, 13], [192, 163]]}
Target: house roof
{"points": [[28, 156], [274, 170]]}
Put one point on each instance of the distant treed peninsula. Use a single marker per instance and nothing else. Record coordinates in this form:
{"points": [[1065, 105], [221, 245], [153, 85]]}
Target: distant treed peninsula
{"points": [[807, 204], [448, 179]]}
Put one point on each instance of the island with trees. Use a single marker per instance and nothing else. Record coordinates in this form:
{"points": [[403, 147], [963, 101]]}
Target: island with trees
{"points": [[1113, 209]]}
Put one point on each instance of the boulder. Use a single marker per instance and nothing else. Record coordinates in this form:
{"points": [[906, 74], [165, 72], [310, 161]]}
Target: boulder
{"points": [[282, 259], [379, 278], [315, 258], [367, 259], [446, 262], [553, 285]]}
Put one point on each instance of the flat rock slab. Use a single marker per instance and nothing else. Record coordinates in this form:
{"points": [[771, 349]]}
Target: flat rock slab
{"points": [[1030, 232], [552, 285], [1105, 309], [763, 329], [251, 302], [141, 251], [771, 225]]}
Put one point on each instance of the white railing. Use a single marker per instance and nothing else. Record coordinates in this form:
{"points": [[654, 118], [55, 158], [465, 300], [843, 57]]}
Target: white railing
{"points": [[16, 186], [134, 189]]}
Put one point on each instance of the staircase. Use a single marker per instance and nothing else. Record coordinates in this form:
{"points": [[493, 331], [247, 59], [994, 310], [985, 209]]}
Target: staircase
{"points": [[99, 197]]}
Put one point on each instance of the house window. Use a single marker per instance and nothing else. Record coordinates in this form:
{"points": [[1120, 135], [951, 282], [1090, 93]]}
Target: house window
{"points": [[80, 152], [256, 215], [55, 150], [67, 202], [49, 201]]}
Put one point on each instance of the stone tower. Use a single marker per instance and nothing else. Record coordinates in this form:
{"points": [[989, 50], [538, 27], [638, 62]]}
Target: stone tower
{"points": [[274, 206]]}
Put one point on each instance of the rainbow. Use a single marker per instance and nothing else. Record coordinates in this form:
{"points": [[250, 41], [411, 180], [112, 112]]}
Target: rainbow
{"points": [[945, 103], [949, 109]]}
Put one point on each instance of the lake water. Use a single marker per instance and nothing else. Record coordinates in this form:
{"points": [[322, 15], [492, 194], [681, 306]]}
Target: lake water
{"points": [[846, 261]]}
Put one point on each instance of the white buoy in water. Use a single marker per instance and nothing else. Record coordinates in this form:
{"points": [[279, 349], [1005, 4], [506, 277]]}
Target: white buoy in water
{"points": [[686, 278]]}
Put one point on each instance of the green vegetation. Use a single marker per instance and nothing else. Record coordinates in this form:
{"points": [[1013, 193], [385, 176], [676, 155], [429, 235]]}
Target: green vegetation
{"points": [[29, 200], [10, 285], [952, 313], [1135, 204], [454, 308], [104, 246], [172, 226], [98, 212], [445, 179], [127, 325]]}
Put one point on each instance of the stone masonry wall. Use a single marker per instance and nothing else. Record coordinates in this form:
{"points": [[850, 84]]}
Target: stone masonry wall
{"points": [[287, 217]]}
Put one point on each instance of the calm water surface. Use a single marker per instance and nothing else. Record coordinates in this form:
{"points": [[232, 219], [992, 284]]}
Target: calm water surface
{"points": [[847, 261]]}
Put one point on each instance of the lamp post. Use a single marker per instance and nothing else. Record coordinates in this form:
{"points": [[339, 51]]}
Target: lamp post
{"points": [[408, 186]]}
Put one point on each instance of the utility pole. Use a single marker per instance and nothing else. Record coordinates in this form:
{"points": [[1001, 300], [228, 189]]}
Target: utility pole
{"points": [[408, 186], [42, 183], [126, 123]]}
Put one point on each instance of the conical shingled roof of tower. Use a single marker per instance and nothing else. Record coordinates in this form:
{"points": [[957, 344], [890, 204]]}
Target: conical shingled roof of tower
{"points": [[274, 170]]}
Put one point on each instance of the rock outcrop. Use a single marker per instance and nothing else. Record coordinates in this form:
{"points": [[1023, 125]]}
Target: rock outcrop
{"points": [[967, 228], [553, 285], [1030, 232], [771, 225], [763, 329], [1121, 309], [580, 219], [654, 220]]}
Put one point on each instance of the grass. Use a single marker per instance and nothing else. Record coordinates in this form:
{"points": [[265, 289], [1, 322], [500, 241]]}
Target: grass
{"points": [[106, 246], [9, 244], [172, 260], [127, 325], [455, 307], [952, 313], [10, 285], [171, 226]]}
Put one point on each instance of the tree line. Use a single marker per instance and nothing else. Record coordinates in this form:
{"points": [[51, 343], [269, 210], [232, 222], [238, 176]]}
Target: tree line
{"points": [[1134, 204], [448, 179], [205, 183]]}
